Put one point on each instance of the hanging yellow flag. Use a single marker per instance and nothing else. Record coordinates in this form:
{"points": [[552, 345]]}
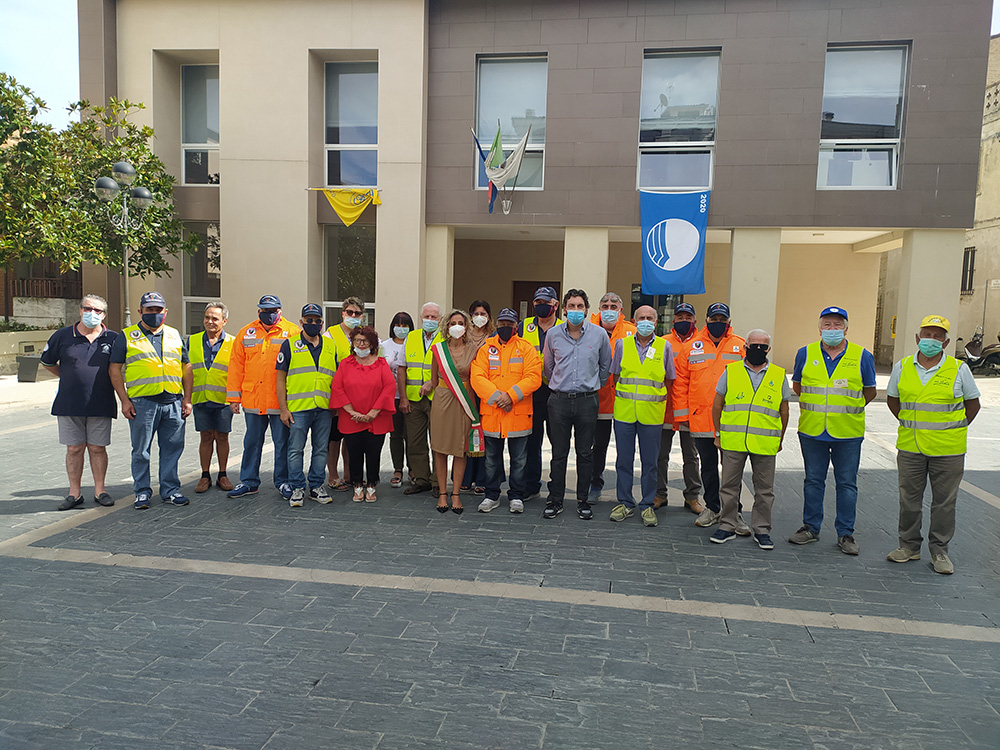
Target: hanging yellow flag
{"points": [[350, 203]]}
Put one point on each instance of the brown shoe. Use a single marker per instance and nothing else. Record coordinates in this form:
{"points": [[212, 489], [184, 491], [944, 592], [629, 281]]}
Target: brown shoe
{"points": [[695, 506], [224, 484], [659, 502], [203, 484]]}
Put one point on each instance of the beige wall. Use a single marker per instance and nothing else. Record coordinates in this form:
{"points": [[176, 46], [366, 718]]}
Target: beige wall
{"points": [[486, 269]]}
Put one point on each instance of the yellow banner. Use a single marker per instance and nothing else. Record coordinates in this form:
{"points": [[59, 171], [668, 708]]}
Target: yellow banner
{"points": [[350, 203]]}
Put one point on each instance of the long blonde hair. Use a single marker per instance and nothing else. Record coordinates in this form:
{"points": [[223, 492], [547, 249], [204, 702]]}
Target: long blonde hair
{"points": [[443, 325]]}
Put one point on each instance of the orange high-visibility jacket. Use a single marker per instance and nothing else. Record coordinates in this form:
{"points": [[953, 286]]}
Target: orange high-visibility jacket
{"points": [[606, 396], [675, 345], [252, 379], [514, 368], [699, 367]]}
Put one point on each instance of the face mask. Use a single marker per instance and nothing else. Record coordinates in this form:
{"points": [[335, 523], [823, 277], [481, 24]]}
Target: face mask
{"points": [[480, 320], [756, 354], [543, 310], [400, 331], [505, 333], [430, 325], [930, 347], [576, 316], [717, 330], [312, 329], [645, 327], [153, 320], [362, 353], [456, 331], [683, 327], [268, 317], [609, 316], [832, 337], [352, 322], [91, 319]]}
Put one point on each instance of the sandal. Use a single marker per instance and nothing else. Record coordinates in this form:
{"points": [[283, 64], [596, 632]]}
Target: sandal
{"points": [[457, 510], [479, 490], [465, 489], [397, 479], [370, 494], [359, 494], [339, 485], [442, 508]]}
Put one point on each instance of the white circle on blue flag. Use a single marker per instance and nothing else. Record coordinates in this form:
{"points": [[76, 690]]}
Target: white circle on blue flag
{"points": [[672, 244]]}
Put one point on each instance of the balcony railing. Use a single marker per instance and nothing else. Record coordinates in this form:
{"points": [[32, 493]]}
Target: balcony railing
{"points": [[47, 288]]}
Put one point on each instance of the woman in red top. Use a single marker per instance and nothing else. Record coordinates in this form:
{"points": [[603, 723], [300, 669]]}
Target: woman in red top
{"points": [[364, 394]]}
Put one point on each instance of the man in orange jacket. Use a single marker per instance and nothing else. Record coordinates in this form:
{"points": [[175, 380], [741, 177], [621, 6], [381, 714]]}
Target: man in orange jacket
{"points": [[252, 383], [611, 318], [699, 366], [505, 372]]}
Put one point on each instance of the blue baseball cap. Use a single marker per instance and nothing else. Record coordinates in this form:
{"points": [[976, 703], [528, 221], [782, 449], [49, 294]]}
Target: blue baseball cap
{"points": [[546, 293], [312, 309], [152, 299], [718, 308], [834, 311], [507, 314], [268, 301], [684, 307]]}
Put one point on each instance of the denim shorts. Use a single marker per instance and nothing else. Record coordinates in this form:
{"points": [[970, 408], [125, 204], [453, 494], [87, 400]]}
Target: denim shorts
{"points": [[210, 416]]}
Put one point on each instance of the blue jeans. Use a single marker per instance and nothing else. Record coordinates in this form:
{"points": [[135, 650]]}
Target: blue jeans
{"points": [[319, 421], [846, 457], [572, 414], [649, 453], [533, 471], [253, 445], [165, 422], [493, 460]]}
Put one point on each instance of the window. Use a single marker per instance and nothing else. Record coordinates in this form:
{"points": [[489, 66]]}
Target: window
{"points": [[202, 273], [200, 124], [350, 269], [511, 92], [677, 115], [862, 118], [663, 303], [968, 270], [352, 124]]}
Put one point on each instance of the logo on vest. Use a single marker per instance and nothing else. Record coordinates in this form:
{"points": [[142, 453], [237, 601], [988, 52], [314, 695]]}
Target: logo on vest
{"points": [[494, 353], [136, 334], [281, 357], [815, 362], [251, 332], [698, 345], [736, 347], [531, 328], [299, 346]]}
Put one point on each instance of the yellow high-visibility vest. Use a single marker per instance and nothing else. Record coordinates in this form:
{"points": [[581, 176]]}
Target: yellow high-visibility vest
{"points": [[751, 422], [931, 419], [834, 402], [342, 344], [209, 382], [146, 373], [418, 363], [307, 385], [533, 337], [640, 395]]}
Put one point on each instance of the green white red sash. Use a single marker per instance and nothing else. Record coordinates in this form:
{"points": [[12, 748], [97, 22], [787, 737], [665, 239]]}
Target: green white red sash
{"points": [[449, 373]]}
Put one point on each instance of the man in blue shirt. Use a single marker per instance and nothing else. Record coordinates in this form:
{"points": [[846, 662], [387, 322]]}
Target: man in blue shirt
{"points": [[85, 402], [835, 380]]}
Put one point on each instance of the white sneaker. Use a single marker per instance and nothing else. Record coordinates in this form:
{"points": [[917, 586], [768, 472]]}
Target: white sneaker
{"points": [[708, 517], [298, 495], [359, 494], [516, 506], [742, 529], [320, 495], [487, 505]]}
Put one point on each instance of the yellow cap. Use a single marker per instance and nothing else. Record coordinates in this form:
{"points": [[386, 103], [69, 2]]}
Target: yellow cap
{"points": [[936, 320]]}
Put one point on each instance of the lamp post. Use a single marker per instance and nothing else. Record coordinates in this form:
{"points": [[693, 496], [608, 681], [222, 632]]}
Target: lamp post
{"points": [[108, 190]]}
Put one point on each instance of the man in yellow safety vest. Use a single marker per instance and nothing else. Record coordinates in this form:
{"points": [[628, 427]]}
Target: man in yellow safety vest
{"points": [[414, 383], [208, 352]]}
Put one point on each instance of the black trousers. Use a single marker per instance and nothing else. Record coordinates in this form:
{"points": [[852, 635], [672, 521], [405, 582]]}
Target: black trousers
{"points": [[364, 449]]}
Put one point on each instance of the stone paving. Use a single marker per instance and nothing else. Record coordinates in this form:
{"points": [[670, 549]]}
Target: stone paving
{"points": [[247, 624]]}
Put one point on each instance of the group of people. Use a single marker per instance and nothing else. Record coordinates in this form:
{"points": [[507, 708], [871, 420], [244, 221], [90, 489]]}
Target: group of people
{"points": [[467, 385]]}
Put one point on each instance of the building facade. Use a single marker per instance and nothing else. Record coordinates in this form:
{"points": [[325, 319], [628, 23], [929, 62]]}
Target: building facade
{"points": [[829, 132]]}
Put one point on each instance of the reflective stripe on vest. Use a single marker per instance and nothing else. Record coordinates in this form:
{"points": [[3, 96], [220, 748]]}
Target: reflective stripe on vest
{"points": [[307, 386], [418, 363], [834, 402], [751, 421], [209, 382], [931, 419], [640, 395], [146, 374]]}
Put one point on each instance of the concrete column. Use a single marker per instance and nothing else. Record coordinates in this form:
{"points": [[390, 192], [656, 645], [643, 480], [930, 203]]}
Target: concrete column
{"points": [[585, 262], [753, 279], [930, 282], [439, 268]]}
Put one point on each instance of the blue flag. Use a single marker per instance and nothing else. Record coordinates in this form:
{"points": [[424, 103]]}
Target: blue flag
{"points": [[673, 242]]}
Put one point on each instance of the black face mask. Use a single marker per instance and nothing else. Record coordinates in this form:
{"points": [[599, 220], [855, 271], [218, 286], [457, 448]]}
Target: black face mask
{"points": [[152, 321], [718, 329], [543, 311], [756, 354], [683, 327], [312, 329], [268, 317], [505, 333]]}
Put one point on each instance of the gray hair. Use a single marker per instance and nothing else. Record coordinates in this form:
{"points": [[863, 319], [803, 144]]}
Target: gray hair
{"points": [[430, 304], [612, 297], [97, 297], [760, 332], [220, 307]]}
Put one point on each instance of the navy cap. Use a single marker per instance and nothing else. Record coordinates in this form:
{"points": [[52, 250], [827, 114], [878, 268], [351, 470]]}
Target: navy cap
{"points": [[507, 314], [834, 311], [311, 309], [268, 301], [684, 307], [718, 308], [152, 299], [545, 292]]}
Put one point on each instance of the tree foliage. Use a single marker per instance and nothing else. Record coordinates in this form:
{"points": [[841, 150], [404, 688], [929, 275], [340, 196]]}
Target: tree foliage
{"points": [[48, 208]]}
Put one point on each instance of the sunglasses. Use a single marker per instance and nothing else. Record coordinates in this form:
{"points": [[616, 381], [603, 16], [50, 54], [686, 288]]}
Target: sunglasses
{"points": [[353, 313]]}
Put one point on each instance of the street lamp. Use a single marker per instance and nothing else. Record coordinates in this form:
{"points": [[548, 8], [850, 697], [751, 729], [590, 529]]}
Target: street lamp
{"points": [[108, 189]]}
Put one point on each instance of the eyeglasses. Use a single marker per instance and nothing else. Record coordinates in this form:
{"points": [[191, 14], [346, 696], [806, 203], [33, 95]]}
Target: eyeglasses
{"points": [[353, 313], [87, 308]]}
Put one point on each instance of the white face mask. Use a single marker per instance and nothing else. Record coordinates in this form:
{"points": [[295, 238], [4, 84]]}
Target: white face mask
{"points": [[362, 353], [457, 331], [480, 320]]}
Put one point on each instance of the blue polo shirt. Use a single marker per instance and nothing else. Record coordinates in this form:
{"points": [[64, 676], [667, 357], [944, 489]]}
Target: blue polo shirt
{"points": [[120, 348], [867, 378], [85, 388]]}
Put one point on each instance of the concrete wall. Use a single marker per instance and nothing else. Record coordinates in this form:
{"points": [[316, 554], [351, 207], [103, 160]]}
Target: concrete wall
{"points": [[12, 344], [54, 313]]}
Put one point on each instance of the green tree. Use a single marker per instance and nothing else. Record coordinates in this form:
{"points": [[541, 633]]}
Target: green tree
{"points": [[48, 208]]}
